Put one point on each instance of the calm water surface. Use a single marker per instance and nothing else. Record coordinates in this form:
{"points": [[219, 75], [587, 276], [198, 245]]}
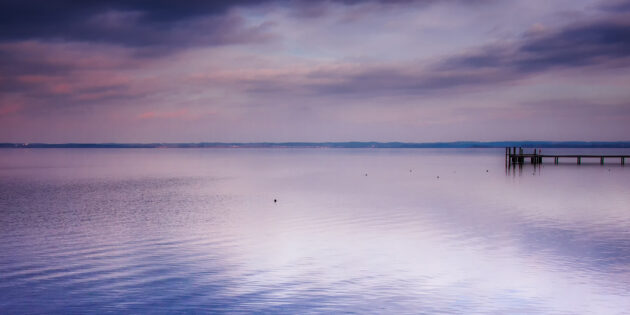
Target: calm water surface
{"points": [[361, 230]]}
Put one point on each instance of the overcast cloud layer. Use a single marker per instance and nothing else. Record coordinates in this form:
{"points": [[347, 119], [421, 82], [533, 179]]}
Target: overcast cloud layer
{"points": [[282, 70]]}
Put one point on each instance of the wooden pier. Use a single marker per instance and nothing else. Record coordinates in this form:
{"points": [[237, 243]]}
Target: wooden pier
{"points": [[516, 155]]}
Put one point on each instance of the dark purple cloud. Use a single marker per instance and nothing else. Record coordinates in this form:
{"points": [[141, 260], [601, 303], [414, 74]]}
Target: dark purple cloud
{"points": [[401, 81], [44, 77], [161, 25], [27, 66], [616, 5], [15, 62], [600, 44], [142, 23], [596, 43]]}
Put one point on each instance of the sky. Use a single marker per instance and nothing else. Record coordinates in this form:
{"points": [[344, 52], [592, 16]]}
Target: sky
{"points": [[339, 70]]}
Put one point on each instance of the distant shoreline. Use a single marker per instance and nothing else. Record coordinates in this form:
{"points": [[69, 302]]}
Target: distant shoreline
{"points": [[348, 145]]}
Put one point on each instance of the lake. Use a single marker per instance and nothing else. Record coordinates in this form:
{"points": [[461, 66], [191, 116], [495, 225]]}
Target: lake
{"points": [[351, 230]]}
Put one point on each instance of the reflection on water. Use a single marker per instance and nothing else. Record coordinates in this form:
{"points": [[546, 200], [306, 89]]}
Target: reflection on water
{"points": [[366, 231]]}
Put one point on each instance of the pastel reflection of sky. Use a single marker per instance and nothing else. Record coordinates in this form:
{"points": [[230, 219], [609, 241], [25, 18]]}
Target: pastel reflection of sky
{"points": [[186, 230]]}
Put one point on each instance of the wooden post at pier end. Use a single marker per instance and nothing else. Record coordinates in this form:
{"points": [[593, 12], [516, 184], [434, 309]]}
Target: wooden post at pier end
{"points": [[507, 155]]}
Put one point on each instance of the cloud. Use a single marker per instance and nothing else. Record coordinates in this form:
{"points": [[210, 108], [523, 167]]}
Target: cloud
{"points": [[86, 72], [153, 26], [28, 58], [412, 79], [316, 9], [615, 5], [59, 78], [597, 43], [76, 71], [156, 24], [9, 109], [572, 107], [181, 113], [600, 44]]}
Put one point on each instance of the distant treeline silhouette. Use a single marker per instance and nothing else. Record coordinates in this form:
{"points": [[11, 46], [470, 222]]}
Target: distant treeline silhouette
{"points": [[352, 144]]}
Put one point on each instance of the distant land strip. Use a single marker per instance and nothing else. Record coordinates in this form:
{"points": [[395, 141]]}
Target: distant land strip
{"points": [[353, 144]]}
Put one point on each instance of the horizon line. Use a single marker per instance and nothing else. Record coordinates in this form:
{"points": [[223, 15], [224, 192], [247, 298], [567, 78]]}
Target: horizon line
{"points": [[328, 144]]}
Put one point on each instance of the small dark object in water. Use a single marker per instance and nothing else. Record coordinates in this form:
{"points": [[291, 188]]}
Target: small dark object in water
{"points": [[486, 171], [275, 200], [438, 177], [365, 174]]}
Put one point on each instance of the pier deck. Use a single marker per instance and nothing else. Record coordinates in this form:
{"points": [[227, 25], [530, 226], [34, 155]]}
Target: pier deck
{"points": [[516, 156]]}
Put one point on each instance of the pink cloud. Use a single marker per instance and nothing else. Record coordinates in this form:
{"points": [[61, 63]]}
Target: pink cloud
{"points": [[9, 109], [182, 113], [33, 79], [61, 88]]}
